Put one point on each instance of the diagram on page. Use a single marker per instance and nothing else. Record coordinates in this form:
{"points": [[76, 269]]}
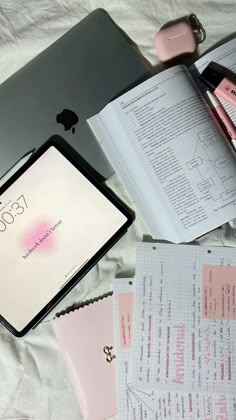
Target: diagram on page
{"points": [[210, 165]]}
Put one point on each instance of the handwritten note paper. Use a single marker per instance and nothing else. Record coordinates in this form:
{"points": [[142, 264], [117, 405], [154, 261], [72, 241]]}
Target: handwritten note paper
{"points": [[219, 292], [175, 348], [135, 402], [126, 311]]}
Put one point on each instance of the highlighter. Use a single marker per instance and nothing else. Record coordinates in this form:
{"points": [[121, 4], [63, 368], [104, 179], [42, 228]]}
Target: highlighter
{"points": [[219, 84]]}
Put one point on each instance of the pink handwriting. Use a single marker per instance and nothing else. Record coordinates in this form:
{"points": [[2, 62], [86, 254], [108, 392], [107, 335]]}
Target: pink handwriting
{"points": [[179, 354], [221, 405]]}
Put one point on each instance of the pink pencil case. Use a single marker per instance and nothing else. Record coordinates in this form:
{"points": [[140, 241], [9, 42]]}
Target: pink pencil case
{"points": [[86, 338]]}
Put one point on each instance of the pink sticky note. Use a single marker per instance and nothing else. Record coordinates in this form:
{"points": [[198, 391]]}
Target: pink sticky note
{"points": [[219, 292], [126, 308]]}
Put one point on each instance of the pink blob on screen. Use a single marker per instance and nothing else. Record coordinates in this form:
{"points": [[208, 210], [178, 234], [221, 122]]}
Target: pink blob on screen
{"points": [[40, 237]]}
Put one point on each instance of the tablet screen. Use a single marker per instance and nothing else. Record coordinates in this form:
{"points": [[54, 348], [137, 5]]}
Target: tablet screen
{"points": [[52, 221]]}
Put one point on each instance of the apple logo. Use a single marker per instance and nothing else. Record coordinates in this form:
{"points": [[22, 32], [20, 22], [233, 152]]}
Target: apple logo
{"points": [[68, 118]]}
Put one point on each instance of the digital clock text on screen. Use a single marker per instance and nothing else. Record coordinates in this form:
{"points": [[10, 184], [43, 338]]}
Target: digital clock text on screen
{"points": [[11, 211]]}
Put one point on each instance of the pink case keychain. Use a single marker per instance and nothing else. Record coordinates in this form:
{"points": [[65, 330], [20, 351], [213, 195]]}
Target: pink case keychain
{"points": [[179, 39]]}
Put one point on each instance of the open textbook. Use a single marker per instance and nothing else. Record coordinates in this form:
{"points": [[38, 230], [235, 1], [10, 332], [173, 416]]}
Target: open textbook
{"points": [[170, 151]]}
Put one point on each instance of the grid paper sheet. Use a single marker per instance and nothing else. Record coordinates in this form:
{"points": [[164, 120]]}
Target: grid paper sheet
{"points": [[175, 348], [138, 403], [132, 402]]}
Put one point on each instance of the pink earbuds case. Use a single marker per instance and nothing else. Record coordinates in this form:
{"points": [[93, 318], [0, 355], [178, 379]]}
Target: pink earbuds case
{"points": [[175, 40]]}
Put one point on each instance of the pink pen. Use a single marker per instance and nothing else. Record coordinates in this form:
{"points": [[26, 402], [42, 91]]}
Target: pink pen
{"points": [[219, 84], [222, 116]]}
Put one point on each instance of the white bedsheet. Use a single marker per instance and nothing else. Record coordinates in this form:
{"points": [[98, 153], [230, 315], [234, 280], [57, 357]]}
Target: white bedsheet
{"points": [[33, 379]]}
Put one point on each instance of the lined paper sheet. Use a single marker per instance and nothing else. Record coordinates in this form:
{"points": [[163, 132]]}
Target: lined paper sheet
{"points": [[134, 402], [175, 348]]}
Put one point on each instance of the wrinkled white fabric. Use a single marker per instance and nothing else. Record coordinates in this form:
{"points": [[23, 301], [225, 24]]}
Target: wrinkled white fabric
{"points": [[34, 383]]}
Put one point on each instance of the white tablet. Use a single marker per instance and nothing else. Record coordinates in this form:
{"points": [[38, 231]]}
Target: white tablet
{"points": [[56, 222]]}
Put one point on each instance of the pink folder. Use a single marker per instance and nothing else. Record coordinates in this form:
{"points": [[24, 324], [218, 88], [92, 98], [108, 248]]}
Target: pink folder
{"points": [[86, 337]]}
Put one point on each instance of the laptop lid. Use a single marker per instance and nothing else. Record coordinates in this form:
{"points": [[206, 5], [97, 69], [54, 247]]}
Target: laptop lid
{"points": [[67, 83]]}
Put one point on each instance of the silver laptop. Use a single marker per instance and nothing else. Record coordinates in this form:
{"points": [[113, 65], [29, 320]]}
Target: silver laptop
{"points": [[63, 86]]}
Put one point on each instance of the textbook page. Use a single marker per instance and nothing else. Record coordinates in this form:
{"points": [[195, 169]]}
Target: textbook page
{"points": [[134, 402], [172, 155], [185, 319], [225, 55]]}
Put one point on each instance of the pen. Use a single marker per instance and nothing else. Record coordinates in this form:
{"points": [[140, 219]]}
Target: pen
{"points": [[17, 166], [222, 117]]}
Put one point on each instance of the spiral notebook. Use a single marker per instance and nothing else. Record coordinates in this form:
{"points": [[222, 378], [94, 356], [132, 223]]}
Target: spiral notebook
{"points": [[86, 338]]}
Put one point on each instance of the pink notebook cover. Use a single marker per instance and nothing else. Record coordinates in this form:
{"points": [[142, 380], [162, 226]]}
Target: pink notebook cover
{"points": [[86, 336]]}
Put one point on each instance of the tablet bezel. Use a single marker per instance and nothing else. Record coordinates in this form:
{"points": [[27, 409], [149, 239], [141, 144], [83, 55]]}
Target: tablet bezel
{"points": [[78, 162]]}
